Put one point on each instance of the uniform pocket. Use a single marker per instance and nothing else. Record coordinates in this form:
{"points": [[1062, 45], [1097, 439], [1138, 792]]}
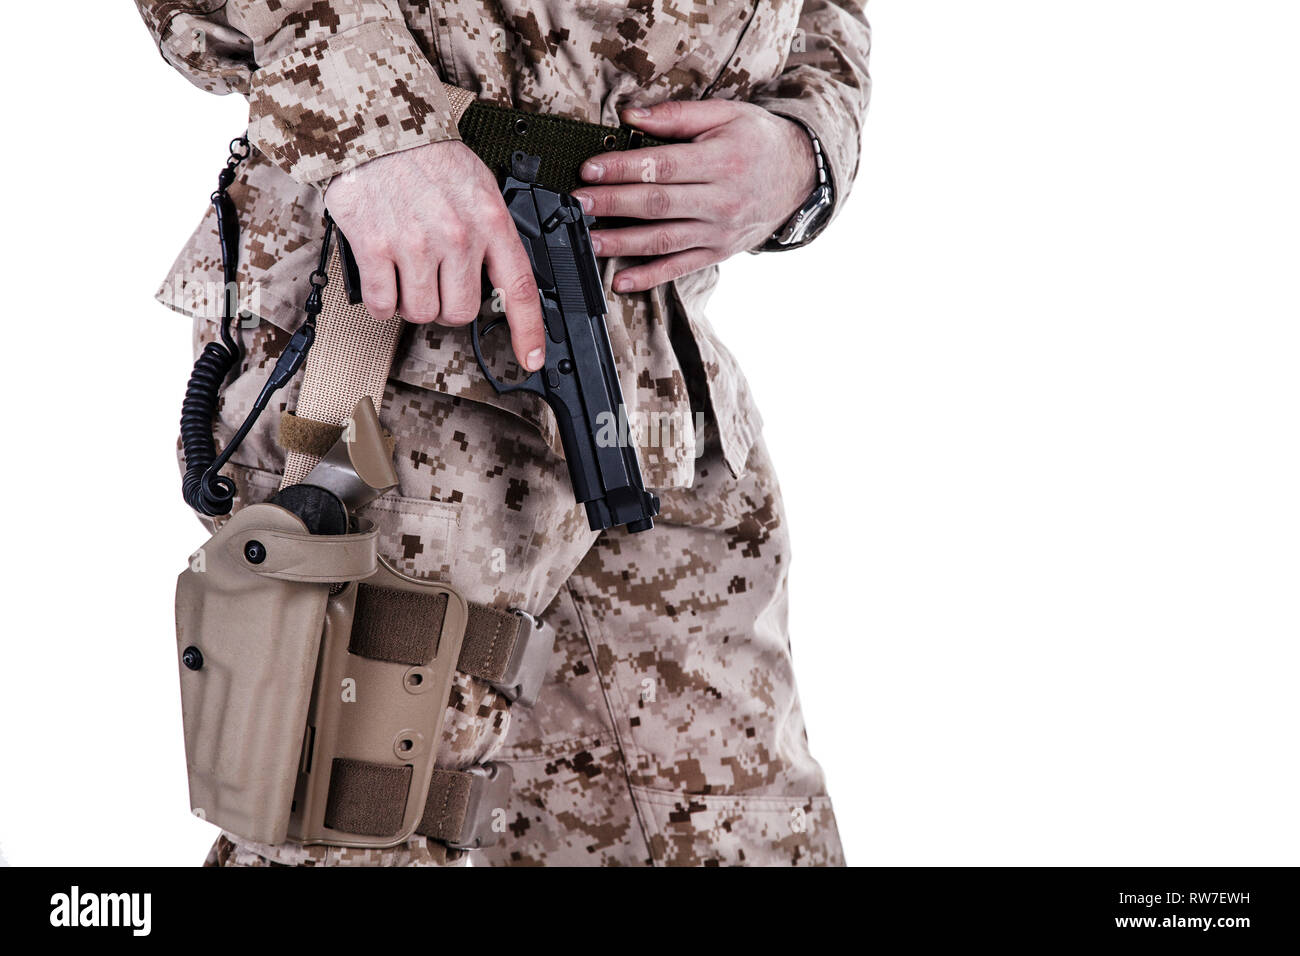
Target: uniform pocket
{"points": [[570, 808], [414, 534], [690, 829]]}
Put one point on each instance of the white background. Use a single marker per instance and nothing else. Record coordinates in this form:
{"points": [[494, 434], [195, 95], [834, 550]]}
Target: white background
{"points": [[1033, 398]]}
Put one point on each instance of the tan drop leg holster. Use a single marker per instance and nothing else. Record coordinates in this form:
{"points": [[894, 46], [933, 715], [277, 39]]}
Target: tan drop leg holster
{"points": [[314, 675]]}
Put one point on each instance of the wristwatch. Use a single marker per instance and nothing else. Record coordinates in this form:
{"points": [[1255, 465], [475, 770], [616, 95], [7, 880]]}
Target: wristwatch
{"points": [[808, 220]]}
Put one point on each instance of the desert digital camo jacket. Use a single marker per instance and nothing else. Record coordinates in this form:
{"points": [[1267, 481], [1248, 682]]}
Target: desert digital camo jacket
{"points": [[334, 83]]}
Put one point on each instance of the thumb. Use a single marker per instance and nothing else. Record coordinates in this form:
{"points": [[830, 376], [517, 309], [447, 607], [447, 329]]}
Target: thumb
{"points": [[680, 119]]}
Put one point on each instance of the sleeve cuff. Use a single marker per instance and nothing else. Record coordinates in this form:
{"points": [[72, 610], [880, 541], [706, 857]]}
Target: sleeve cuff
{"points": [[335, 104]]}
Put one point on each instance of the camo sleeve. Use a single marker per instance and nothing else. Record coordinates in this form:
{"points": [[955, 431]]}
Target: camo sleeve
{"points": [[200, 43], [826, 84], [331, 84]]}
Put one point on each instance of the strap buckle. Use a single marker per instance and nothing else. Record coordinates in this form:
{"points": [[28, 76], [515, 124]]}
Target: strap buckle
{"points": [[530, 662], [489, 791]]}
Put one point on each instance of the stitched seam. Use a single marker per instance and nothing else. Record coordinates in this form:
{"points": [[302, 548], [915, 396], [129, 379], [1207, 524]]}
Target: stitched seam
{"points": [[606, 690], [491, 652]]}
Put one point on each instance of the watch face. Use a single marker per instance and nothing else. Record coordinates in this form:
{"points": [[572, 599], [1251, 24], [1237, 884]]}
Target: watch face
{"points": [[805, 222]]}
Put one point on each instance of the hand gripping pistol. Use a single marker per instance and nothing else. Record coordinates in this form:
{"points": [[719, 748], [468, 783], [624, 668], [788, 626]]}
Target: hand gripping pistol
{"points": [[579, 380]]}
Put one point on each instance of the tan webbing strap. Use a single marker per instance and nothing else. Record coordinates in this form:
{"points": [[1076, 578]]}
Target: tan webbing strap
{"points": [[351, 357], [352, 354], [459, 99]]}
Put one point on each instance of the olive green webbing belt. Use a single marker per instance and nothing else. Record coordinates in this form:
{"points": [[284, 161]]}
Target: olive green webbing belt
{"points": [[496, 132]]}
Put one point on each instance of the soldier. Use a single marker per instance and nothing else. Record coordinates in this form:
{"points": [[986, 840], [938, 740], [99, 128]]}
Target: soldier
{"points": [[668, 731]]}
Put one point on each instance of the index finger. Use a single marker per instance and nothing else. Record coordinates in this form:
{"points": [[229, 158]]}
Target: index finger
{"points": [[510, 272]]}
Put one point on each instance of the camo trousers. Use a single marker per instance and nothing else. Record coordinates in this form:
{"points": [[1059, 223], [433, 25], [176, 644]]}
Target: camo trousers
{"points": [[669, 730]]}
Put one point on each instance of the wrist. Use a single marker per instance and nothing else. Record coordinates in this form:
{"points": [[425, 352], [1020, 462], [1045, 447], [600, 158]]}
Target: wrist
{"points": [[804, 161], [813, 210]]}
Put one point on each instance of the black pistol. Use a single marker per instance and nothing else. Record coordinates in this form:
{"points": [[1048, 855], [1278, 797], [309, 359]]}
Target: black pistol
{"points": [[578, 380]]}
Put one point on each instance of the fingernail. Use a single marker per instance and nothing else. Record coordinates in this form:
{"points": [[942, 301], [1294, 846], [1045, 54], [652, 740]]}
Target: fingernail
{"points": [[592, 171], [636, 112], [585, 200], [534, 360], [622, 285], [596, 244]]}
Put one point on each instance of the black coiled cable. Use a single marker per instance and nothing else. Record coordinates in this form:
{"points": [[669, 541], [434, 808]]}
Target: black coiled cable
{"points": [[209, 494], [204, 488]]}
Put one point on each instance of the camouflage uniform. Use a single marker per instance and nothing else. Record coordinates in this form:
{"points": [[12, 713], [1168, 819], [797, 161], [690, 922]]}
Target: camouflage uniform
{"points": [[669, 732]]}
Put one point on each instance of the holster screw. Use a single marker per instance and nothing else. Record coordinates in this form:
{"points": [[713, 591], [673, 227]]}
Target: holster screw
{"points": [[192, 658], [255, 552]]}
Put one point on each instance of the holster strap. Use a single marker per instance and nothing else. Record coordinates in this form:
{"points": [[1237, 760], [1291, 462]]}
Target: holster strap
{"points": [[508, 649], [306, 436], [312, 558], [460, 810], [463, 805]]}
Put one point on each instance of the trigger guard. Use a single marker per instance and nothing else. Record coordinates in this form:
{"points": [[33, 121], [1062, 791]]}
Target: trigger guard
{"points": [[533, 383]]}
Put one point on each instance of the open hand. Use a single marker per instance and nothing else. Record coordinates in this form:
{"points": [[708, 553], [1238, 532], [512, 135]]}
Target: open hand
{"points": [[744, 172]]}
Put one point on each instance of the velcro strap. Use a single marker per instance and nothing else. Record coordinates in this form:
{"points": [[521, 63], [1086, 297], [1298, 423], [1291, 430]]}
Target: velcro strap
{"points": [[370, 799], [445, 809], [403, 626], [490, 639], [367, 798], [306, 436], [397, 626]]}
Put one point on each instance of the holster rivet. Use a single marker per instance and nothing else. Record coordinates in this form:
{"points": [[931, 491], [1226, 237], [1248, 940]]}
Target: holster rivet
{"points": [[192, 658], [255, 552]]}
